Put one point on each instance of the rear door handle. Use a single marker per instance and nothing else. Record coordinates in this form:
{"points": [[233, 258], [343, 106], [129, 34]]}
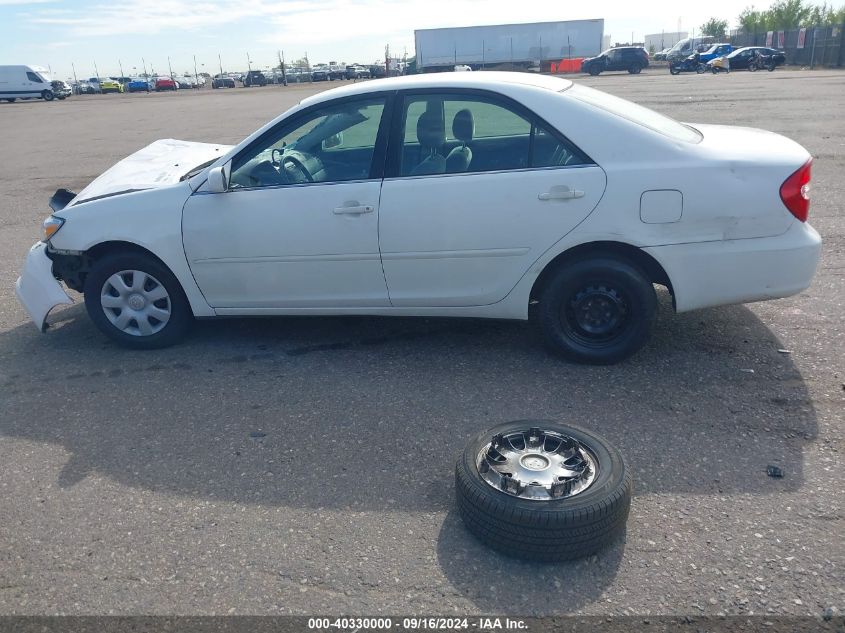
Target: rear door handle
{"points": [[354, 210], [561, 193]]}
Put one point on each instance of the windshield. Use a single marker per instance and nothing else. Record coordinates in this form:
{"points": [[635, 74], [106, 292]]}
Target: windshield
{"points": [[680, 45], [637, 114]]}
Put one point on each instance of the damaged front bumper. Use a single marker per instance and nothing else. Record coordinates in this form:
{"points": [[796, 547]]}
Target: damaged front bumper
{"points": [[37, 289]]}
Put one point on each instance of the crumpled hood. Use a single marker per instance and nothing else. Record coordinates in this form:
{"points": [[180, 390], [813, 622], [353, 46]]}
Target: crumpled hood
{"points": [[161, 163]]}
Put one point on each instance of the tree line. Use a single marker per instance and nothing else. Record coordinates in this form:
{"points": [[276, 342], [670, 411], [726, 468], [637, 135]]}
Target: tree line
{"points": [[782, 15]]}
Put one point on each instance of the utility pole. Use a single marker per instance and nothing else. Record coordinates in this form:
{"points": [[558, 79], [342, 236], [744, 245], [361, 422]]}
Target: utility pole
{"points": [[220, 59], [169, 67], [144, 66], [387, 60], [813, 49], [483, 49], [308, 68], [75, 80], [96, 72], [248, 63], [196, 74], [282, 67], [120, 65]]}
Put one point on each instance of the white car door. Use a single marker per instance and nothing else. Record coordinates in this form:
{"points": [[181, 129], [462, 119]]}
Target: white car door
{"points": [[479, 189], [298, 225]]}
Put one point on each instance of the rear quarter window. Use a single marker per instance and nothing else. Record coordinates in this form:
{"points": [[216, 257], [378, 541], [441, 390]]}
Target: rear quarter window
{"points": [[635, 113]]}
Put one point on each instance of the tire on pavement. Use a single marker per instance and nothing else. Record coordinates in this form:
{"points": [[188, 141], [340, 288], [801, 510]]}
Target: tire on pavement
{"points": [[598, 310], [573, 518], [135, 300]]}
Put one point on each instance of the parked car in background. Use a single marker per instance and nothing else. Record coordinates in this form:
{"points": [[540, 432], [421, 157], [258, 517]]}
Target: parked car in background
{"points": [[462, 68], [84, 87], [184, 81], [165, 83], [660, 56], [107, 85], [139, 84], [60, 89], [630, 58], [356, 71], [182, 230], [222, 81], [320, 73], [741, 57], [25, 82], [254, 78], [717, 50]]}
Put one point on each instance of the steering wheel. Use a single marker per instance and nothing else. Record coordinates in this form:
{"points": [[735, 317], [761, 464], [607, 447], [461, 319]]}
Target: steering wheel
{"points": [[298, 165]]}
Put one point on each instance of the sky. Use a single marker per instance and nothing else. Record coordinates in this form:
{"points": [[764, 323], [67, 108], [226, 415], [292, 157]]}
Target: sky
{"points": [[66, 34]]}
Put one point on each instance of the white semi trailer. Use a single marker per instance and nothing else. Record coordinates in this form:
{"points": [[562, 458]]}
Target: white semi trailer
{"points": [[523, 45]]}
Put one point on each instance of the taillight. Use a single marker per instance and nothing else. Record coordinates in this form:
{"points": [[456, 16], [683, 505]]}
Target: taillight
{"points": [[795, 192]]}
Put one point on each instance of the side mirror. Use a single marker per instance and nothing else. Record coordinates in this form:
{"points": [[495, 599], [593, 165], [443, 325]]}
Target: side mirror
{"points": [[333, 141], [218, 179]]}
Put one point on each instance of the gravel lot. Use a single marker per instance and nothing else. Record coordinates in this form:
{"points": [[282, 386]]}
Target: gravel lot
{"points": [[305, 465]]}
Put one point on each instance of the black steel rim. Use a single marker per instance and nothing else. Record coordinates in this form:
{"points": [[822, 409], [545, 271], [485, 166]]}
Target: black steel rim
{"points": [[596, 314]]}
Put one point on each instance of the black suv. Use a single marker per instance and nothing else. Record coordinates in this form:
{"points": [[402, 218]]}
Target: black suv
{"points": [[630, 58], [255, 78]]}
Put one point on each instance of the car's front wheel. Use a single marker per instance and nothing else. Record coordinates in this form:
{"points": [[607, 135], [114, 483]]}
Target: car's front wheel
{"points": [[635, 69], [47, 95], [598, 310], [594, 70], [135, 300]]}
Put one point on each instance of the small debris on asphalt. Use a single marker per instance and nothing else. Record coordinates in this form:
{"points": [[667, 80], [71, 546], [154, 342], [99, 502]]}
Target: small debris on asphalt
{"points": [[774, 471], [784, 351], [257, 434], [747, 371]]}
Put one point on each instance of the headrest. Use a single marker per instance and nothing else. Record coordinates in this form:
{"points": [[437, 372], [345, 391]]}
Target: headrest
{"points": [[430, 130], [463, 125]]}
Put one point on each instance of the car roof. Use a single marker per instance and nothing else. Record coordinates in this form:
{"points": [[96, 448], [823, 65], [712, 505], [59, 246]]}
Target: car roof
{"points": [[447, 80]]}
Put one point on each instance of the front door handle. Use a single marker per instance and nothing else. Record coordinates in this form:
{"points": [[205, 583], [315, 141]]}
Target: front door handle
{"points": [[561, 193], [354, 209]]}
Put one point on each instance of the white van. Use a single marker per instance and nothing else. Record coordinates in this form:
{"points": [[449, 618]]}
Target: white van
{"points": [[25, 82]]}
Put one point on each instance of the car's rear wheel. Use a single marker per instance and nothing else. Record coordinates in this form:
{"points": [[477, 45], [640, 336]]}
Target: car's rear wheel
{"points": [[635, 69], [544, 491], [598, 310], [135, 300]]}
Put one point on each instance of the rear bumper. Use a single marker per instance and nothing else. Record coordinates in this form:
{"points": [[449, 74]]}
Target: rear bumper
{"points": [[741, 271], [37, 289]]}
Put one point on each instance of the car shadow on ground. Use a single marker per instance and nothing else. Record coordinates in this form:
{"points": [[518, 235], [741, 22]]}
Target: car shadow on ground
{"points": [[370, 413]]}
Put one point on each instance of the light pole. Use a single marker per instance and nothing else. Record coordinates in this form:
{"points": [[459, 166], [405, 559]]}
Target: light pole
{"points": [[169, 67]]}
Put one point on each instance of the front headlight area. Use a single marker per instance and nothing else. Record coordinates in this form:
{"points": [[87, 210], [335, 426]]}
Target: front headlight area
{"points": [[50, 227]]}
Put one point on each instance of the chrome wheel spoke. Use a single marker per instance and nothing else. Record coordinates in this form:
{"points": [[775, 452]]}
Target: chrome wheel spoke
{"points": [[138, 280], [117, 282], [109, 301], [144, 326], [156, 293], [158, 313], [122, 320]]}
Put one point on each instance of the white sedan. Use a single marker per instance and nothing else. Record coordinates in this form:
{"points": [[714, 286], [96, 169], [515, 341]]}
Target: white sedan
{"points": [[497, 195]]}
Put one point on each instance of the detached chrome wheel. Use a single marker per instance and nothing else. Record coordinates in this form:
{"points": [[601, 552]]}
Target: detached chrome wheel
{"points": [[537, 464], [135, 302], [542, 490]]}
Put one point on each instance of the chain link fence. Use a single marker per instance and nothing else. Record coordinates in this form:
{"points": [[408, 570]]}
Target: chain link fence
{"points": [[810, 46]]}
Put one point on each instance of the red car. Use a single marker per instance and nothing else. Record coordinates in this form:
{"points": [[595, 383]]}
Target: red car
{"points": [[165, 83]]}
